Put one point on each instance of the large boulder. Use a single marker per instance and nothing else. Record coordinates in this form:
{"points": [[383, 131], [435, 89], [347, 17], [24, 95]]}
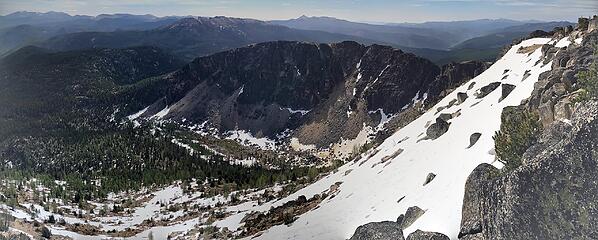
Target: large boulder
{"points": [[475, 189], [506, 90], [546, 112], [461, 97], [386, 230], [437, 129], [410, 216], [421, 235], [485, 90], [563, 109]]}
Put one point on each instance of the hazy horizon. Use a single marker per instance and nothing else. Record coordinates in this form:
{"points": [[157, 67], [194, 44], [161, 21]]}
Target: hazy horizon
{"points": [[296, 17], [373, 11]]}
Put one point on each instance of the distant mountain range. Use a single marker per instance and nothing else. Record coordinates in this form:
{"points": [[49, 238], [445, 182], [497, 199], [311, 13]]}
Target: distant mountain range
{"points": [[190, 37], [432, 35]]}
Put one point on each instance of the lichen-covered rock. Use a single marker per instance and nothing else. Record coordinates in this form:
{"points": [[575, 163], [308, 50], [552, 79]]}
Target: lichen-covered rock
{"points": [[506, 90], [387, 230], [445, 116], [421, 235], [461, 97], [485, 90], [553, 195], [562, 109], [437, 129], [475, 187], [410, 216], [546, 114]]}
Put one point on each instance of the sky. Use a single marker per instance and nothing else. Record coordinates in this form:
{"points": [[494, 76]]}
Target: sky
{"points": [[382, 11]]}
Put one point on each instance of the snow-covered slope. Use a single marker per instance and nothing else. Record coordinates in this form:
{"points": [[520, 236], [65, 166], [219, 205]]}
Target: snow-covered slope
{"points": [[382, 183], [371, 190]]}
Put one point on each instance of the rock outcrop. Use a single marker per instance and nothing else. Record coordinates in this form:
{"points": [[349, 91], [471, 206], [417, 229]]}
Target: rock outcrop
{"points": [[410, 216], [387, 230], [323, 91], [485, 90], [394, 230], [555, 90], [552, 195], [454, 75], [421, 235], [506, 90], [437, 129]]}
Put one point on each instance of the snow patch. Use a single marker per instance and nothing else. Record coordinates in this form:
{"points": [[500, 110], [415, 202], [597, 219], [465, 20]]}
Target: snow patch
{"points": [[161, 113], [137, 114], [346, 147], [563, 43], [246, 138], [293, 111], [297, 146]]}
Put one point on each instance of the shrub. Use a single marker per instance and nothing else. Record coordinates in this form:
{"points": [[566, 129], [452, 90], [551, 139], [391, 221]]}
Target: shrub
{"points": [[518, 131]]}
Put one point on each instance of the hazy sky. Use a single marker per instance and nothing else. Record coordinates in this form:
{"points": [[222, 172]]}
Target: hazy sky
{"points": [[359, 10]]}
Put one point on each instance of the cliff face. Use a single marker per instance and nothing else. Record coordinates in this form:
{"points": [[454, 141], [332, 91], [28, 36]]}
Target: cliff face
{"points": [[324, 92], [553, 194], [453, 75]]}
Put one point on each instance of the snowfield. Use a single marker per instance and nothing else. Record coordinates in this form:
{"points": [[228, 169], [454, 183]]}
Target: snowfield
{"points": [[371, 191]]}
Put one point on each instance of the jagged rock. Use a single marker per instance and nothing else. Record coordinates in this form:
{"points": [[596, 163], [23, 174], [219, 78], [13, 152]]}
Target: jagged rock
{"points": [[437, 129], [485, 90], [472, 201], [421, 235], [429, 178], [593, 24], [556, 91], [526, 75], [546, 113], [552, 195], [506, 90], [410, 216], [445, 116], [453, 75], [568, 78], [471, 85], [562, 109], [387, 230], [456, 114], [582, 24], [284, 214], [461, 97], [473, 139], [539, 34]]}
